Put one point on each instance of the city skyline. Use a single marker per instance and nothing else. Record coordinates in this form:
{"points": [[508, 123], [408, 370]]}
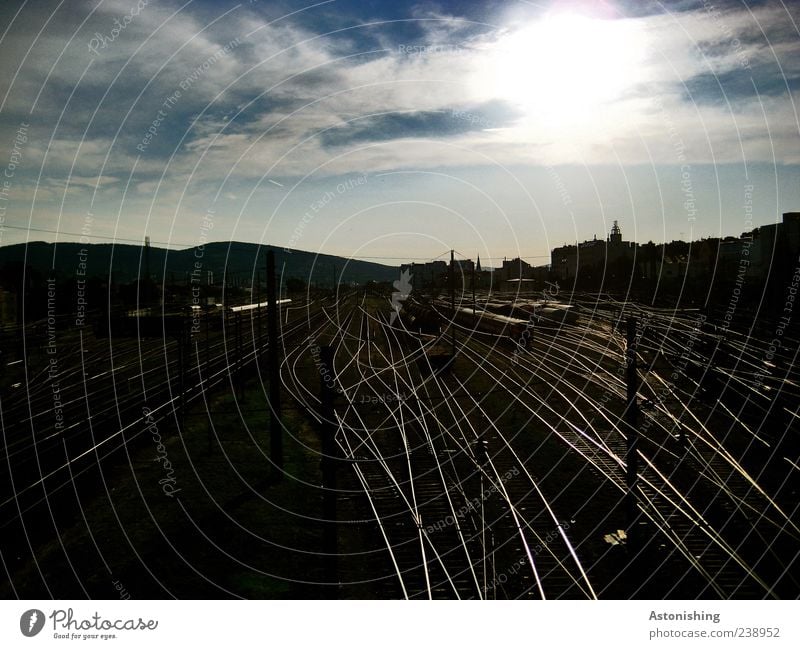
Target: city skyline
{"points": [[174, 246]]}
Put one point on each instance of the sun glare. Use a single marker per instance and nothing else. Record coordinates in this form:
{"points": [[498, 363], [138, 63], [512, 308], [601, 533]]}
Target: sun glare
{"points": [[563, 67]]}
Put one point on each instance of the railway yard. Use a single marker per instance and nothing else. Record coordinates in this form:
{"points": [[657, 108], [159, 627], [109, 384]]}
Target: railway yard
{"points": [[481, 456]]}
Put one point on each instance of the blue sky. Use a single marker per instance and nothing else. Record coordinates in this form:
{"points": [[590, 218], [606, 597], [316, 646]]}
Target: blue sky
{"points": [[397, 130]]}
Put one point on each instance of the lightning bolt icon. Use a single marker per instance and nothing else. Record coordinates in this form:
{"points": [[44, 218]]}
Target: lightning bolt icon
{"points": [[32, 621]]}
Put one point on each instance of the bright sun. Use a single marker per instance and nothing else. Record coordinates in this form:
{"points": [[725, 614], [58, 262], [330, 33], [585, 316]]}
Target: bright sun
{"points": [[564, 66]]}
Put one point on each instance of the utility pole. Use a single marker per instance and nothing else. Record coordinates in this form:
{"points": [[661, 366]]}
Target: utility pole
{"points": [[258, 346], [239, 351], [453, 303], [147, 296], [273, 359], [224, 299], [482, 458], [631, 418], [183, 353], [328, 462], [474, 304], [207, 364]]}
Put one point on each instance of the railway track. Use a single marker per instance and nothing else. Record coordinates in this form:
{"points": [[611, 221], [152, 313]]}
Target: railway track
{"points": [[111, 392], [500, 474]]}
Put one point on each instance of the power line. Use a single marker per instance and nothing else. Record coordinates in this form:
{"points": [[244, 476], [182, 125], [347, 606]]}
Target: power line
{"points": [[183, 245], [92, 236]]}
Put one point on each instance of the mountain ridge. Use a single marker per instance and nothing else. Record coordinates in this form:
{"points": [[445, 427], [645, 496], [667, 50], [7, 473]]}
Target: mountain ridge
{"points": [[238, 260]]}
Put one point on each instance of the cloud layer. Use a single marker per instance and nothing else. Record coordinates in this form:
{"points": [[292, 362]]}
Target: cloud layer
{"points": [[150, 106]]}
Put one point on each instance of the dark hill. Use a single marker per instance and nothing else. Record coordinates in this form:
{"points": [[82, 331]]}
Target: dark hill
{"points": [[124, 263]]}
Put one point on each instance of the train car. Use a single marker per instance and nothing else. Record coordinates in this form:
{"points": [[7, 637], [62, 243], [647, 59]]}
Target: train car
{"points": [[548, 313], [421, 318], [494, 323], [435, 318], [421, 327], [255, 305], [537, 312]]}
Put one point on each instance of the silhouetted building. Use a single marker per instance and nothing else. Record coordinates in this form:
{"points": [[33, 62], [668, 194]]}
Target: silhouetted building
{"points": [[464, 266], [540, 273], [595, 256], [773, 243], [515, 269], [429, 274], [8, 307]]}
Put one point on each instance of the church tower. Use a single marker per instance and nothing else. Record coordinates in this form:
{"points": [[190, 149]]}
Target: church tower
{"points": [[616, 234]]}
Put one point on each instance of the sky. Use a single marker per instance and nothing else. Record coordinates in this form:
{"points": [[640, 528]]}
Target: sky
{"points": [[396, 131]]}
